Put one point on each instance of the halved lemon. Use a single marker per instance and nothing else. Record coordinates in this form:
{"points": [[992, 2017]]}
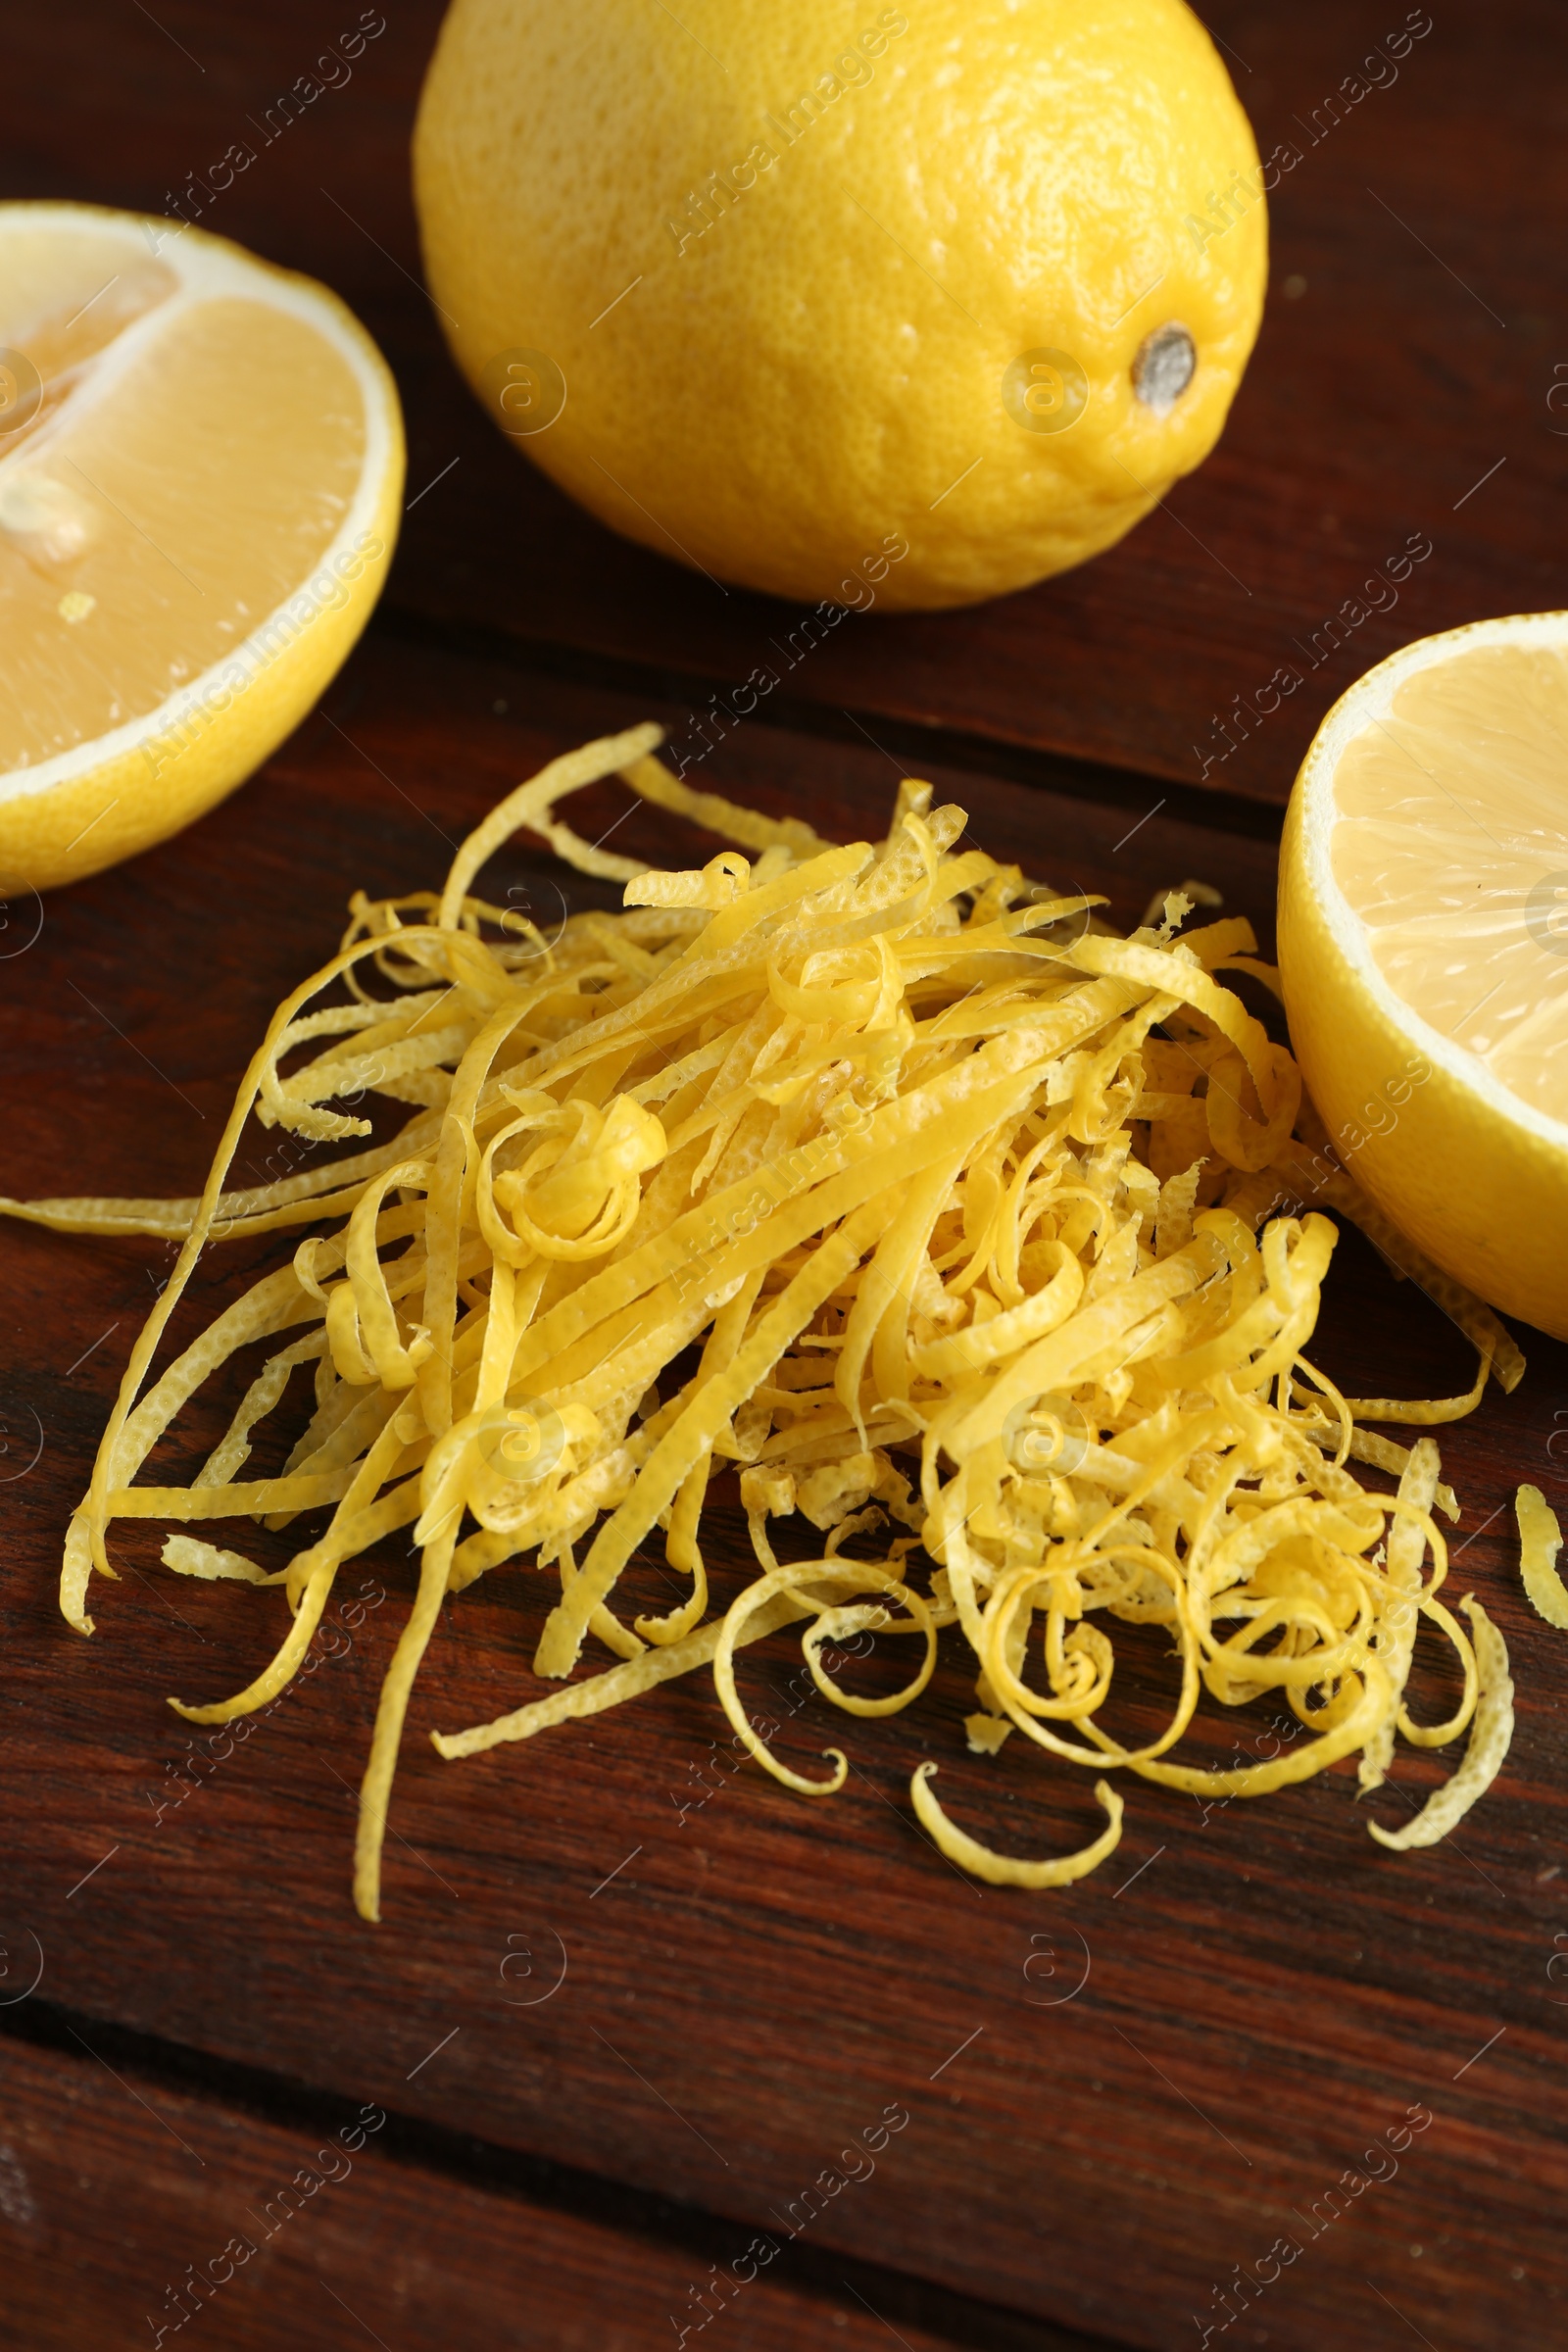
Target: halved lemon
{"points": [[201, 466], [1422, 934]]}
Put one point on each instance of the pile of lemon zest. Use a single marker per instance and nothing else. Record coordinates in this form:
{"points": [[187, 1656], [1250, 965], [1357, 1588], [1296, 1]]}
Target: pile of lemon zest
{"points": [[919, 1181]]}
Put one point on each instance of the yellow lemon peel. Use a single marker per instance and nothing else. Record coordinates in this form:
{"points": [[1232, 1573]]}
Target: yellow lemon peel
{"points": [[1491, 1733], [1539, 1542]]}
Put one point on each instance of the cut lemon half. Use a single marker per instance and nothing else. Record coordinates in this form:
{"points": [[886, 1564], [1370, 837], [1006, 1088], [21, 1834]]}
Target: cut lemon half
{"points": [[1423, 935], [201, 465]]}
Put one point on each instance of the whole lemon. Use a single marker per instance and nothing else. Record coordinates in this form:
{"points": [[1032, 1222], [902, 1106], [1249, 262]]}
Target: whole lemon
{"points": [[812, 293]]}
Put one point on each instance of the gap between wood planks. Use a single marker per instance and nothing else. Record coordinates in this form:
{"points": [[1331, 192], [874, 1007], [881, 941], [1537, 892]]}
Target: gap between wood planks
{"points": [[904, 740], [287, 2103]]}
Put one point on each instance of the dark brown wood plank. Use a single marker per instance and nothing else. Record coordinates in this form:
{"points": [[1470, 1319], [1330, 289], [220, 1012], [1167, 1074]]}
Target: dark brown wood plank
{"points": [[1415, 320], [128, 2206], [1116, 2093]]}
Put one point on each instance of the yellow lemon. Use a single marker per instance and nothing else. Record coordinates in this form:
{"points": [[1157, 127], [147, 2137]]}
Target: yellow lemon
{"points": [[1423, 932], [842, 302], [201, 465]]}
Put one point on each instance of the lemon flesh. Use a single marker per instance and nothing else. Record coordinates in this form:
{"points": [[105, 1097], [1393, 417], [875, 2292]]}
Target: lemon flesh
{"points": [[201, 459], [1424, 950], [856, 305]]}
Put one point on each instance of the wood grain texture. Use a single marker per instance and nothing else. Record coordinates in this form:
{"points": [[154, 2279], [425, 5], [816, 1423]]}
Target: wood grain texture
{"points": [[321, 2232], [1117, 2094], [1416, 319], [1114, 2094]]}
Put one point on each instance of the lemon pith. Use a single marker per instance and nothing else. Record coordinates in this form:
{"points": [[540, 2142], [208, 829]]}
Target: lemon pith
{"points": [[778, 284], [1413, 930], [201, 466]]}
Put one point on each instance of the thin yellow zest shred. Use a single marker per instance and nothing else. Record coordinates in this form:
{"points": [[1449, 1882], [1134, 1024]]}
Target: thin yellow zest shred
{"points": [[1491, 1733], [1539, 1542], [1001, 1870], [876, 1173], [1406, 1545], [188, 1555]]}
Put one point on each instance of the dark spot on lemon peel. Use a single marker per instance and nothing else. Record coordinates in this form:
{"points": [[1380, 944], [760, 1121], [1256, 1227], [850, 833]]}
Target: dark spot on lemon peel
{"points": [[1165, 367]]}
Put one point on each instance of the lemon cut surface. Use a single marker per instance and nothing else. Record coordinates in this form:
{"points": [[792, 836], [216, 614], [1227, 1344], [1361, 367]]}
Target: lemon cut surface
{"points": [[201, 462], [1424, 950]]}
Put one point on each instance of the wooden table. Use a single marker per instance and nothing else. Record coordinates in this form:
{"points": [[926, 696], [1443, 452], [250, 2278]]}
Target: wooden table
{"points": [[600, 2046]]}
